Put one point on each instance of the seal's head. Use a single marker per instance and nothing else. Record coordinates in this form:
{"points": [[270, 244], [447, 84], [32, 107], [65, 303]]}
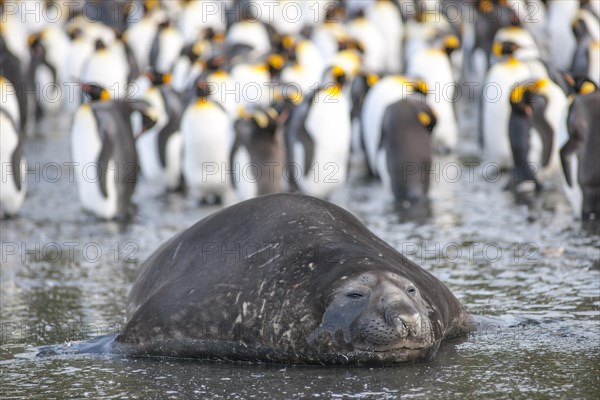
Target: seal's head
{"points": [[376, 311]]}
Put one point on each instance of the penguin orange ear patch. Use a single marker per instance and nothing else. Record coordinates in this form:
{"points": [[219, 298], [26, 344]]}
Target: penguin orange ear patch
{"points": [[337, 71], [516, 95], [372, 79], [497, 49], [424, 118], [276, 61], [451, 42], [167, 78], [287, 42], [104, 96], [587, 87], [261, 119], [421, 86]]}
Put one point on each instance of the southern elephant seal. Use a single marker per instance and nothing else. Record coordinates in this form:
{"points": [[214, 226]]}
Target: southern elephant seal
{"points": [[287, 278]]}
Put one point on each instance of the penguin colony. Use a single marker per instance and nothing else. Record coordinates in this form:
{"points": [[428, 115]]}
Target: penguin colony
{"points": [[227, 100]]}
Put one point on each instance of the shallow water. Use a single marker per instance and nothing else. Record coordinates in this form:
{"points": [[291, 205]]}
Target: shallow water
{"points": [[520, 261]]}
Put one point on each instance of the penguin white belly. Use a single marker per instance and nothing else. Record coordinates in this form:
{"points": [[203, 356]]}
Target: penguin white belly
{"points": [[10, 103], [433, 66], [310, 58], [555, 114], [11, 197], [147, 143], [324, 38], [285, 16], [496, 111], [170, 42], [207, 135], [101, 69], [253, 34], [252, 82], [573, 193], [181, 73], [387, 18], [139, 37], [379, 97], [49, 93], [147, 149], [245, 183], [226, 92], [329, 125], [173, 161], [561, 37], [57, 50], [299, 78], [536, 147], [382, 170], [367, 33], [81, 51], [86, 146]]}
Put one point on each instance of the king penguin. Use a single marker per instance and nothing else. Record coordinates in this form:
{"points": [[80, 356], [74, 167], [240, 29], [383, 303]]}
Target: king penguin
{"points": [[159, 148], [13, 190], [586, 58], [207, 133], [166, 47], [433, 66], [579, 143], [318, 139], [386, 91], [495, 104], [103, 150], [258, 153]]}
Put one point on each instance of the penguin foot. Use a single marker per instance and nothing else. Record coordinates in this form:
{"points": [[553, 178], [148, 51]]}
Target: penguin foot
{"points": [[211, 200]]}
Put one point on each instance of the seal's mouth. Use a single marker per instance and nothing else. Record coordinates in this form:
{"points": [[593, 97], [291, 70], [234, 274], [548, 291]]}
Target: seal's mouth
{"points": [[402, 345]]}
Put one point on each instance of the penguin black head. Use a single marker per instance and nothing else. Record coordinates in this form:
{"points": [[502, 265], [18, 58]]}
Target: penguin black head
{"points": [[580, 29], [579, 85], [99, 45], [334, 13], [339, 76], [260, 119], [158, 78], [215, 63], [451, 43], [584, 85], [150, 5], [75, 33], [500, 49], [35, 41], [275, 63], [420, 86], [203, 89], [95, 92], [523, 95]]}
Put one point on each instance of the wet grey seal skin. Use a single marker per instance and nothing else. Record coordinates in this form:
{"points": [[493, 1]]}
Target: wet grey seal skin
{"points": [[287, 278]]}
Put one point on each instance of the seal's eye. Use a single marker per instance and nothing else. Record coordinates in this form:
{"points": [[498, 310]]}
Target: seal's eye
{"points": [[354, 295], [412, 291]]}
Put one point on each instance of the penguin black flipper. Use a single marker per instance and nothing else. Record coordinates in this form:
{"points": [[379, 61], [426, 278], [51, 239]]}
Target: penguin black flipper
{"points": [[106, 152], [296, 132], [519, 132], [143, 107], [134, 69], [577, 125], [17, 154], [542, 126], [236, 145], [154, 50], [10, 68], [174, 110]]}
